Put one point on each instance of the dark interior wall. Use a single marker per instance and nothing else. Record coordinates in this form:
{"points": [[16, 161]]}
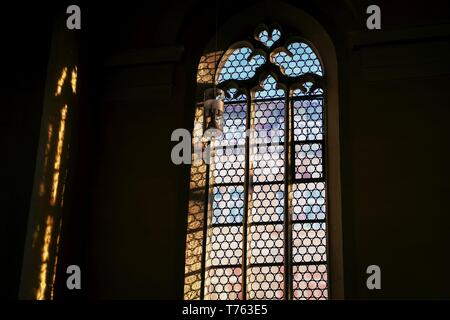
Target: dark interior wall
{"points": [[127, 202], [394, 132], [127, 190], [25, 42], [396, 169]]}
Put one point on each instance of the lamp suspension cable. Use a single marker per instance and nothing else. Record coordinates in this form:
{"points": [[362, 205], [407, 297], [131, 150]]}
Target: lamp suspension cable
{"points": [[216, 35]]}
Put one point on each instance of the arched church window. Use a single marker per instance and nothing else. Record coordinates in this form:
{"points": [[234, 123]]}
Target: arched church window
{"points": [[257, 220]]}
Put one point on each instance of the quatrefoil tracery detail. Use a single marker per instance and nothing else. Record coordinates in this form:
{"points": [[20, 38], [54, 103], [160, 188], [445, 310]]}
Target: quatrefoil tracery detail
{"points": [[292, 61]]}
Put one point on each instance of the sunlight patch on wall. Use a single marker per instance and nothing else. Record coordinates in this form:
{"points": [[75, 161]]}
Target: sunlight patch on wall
{"points": [[61, 81], [57, 164], [53, 182], [207, 67], [194, 238], [73, 80], [55, 264], [40, 294], [63, 190], [46, 156]]}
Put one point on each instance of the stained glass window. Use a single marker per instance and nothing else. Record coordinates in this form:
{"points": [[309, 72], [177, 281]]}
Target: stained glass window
{"points": [[257, 220]]}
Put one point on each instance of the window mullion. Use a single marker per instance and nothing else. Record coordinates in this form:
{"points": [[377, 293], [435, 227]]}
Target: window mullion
{"points": [[287, 215], [247, 197], [205, 231]]}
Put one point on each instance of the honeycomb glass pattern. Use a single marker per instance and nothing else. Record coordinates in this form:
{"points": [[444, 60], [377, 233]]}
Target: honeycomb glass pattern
{"points": [[310, 282], [235, 65], [308, 201], [268, 122], [301, 60], [266, 243], [234, 125], [225, 246], [250, 200], [224, 284], [267, 203], [267, 40], [270, 89], [228, 165], [268, 163], [308, 161], [310, 242], [308, 120], [228, 204], [266, 283]]}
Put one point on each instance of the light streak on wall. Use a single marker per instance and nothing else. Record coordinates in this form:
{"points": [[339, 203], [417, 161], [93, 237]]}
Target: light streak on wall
{"points": [[63, 189], [44, 241], [56, 260], [61, 81], [73, 80], [45, 255], [59, 149], [46, 156]]}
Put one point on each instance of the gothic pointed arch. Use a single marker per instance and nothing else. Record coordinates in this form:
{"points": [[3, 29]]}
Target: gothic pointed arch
{"points": [[264, 211]]}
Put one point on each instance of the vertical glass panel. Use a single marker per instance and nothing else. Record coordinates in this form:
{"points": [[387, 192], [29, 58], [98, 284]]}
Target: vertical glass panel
{"points": [[308, 161], [268, 163], [310, 282], [308, 120], [228, 204], [223, 284], [268, 122], [224, 246], [266, 243], [234, 118], [266, 283], [308, 201], [309, 242], [228, 165], [267, 203]]}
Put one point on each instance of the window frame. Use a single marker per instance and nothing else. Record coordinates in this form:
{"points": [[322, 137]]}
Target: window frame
{"points": [[310, 29]]}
